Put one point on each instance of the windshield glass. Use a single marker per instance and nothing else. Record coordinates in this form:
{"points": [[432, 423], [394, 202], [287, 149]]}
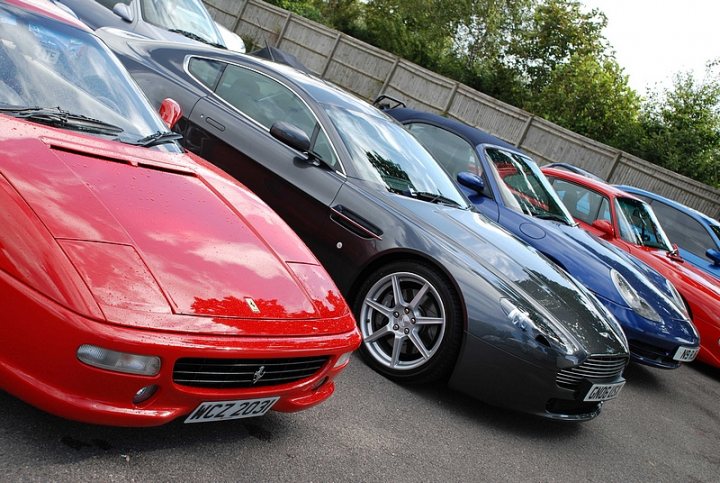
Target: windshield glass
{"points": [[48, 64], [638, 224], [182, 15], [524, 188], [384, 152]]}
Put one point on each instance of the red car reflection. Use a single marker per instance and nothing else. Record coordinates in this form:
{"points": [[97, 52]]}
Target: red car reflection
{"points": [[138, 283], [630, 224]]}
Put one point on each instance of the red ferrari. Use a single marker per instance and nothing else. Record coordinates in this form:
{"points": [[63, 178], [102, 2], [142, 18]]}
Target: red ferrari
{"points": [[138, 284], [630, 224]]}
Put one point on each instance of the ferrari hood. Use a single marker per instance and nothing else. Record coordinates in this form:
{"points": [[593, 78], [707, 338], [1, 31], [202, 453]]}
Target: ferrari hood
{"points": [[151, 232]]}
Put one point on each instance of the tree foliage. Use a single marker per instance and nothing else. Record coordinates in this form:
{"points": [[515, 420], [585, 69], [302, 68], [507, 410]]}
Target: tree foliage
{"points": [[548, 57]]}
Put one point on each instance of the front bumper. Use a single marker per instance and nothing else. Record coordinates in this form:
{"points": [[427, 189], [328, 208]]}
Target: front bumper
{"points": [[653, 343], [512, 381], [38, 363]]}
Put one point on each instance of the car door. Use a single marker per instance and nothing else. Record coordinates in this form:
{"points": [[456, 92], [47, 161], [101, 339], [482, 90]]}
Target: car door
{"points": [[456, 155], [231, 128]]}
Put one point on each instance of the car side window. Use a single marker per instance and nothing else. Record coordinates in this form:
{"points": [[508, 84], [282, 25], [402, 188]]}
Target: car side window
{"points": [[683, 229], [206, 71], [450, 150], [582, 203], [262, 99]]}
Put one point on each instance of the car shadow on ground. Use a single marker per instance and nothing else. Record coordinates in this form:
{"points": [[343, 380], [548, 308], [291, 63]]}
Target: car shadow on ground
{"points": [[56, 440], [706, 370], [644, 377]]}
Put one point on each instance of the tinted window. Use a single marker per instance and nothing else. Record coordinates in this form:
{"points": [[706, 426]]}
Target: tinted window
{"points": [[109, 4], [683, 229], [639, 225], [450, 150], [206, 71], [265, 101]]}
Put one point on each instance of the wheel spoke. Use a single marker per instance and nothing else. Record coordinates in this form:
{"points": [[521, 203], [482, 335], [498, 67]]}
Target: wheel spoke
{"points": [[419, 296], [381, 332], [397, 347], [397, 292], [429, 320], [386, 311], [418, 343]]}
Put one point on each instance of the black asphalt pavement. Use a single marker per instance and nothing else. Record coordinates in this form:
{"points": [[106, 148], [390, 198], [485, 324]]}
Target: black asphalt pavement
{"points": [[665, 426]]}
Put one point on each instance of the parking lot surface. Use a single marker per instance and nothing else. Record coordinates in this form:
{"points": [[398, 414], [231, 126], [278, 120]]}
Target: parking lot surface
{"points": [[665, 426]]}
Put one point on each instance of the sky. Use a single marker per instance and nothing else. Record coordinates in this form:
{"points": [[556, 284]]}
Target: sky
{"points": [[655, 39]]}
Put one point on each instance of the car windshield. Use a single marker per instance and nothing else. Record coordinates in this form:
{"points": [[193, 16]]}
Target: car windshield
{"points": [[524, 188], [182, 16], [57, 74], [639, 225], [384, 152]]}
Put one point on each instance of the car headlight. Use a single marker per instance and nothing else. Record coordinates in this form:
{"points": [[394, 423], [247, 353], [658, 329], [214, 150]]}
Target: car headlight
{"points": [[632, 298], [118, 361], [553, 333], [677, 298]]}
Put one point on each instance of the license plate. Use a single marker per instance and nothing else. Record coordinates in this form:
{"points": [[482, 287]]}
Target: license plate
{"points": [[603, 392], [686, 354], [226, 410]]}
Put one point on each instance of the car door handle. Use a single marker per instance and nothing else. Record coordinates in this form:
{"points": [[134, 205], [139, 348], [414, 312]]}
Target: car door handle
{"points": [[214, 123], [355, 223]]}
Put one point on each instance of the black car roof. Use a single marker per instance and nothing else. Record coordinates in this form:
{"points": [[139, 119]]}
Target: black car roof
{"points": [[472, 134]]}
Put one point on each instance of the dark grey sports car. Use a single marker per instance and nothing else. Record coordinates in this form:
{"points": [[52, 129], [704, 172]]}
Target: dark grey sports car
{"points": [[438, 290]]}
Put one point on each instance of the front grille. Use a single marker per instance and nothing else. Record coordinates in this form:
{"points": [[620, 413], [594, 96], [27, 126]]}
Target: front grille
{"points": [[238, 373], [595, 368], [652, 353]]}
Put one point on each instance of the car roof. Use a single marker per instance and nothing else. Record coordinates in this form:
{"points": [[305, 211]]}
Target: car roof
{"points": [[596, 185], [47, 8], [472, 134], [698, 215]]}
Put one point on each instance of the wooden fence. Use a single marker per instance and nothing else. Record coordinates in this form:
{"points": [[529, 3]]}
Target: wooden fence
{"points": [[369, 72]]}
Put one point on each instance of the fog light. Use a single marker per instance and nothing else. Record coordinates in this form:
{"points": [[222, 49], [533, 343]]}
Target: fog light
{"points": [[118, 361], [144, 394], [342, 360]]}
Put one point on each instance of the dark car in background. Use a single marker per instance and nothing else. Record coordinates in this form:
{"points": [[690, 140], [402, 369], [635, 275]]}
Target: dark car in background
{"points": [[507, 186], [175, 20], [696, 234], [439, 292]]}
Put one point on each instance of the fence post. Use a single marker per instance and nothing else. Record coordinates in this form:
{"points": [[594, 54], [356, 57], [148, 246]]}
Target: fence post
{"points": [[615, 162], [525, 130], [331, 55], [389, 76], [451, 98], [283, 29], [239, 17]]}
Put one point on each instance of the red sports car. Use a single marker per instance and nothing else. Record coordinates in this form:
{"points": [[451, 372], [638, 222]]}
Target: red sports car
{"points": [[138, 284], [629, 223]]}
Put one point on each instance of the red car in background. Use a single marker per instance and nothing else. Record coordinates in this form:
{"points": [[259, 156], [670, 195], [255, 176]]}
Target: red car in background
{"points": [[630, 224], [138, 283]]}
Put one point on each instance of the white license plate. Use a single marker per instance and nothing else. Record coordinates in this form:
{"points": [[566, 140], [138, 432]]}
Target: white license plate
{"points": [[225, 410], [686, 354], [603, 392]]}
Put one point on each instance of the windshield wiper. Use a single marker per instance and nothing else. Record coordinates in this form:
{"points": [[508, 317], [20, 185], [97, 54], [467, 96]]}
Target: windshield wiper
{"points": [[554, 217], [434, 198], [57, 117], [159, 137], [195, 36]]}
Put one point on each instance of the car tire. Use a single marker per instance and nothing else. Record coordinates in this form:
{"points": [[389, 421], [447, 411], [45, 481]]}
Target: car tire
{"points": [[415, 339]]}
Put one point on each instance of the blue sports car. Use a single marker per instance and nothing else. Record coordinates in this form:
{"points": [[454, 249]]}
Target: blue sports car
{"points": [[507, 186], [696, 234]]}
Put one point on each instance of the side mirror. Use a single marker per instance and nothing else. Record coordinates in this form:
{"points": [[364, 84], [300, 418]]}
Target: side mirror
{"points": [[123, 11], [472, 181], [170, 112], [605, 227], [290, 135], [713, 255]]}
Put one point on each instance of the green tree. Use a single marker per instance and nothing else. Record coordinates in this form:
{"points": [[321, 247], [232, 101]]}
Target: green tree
{"points": [[592, 97], [682, 127]]}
